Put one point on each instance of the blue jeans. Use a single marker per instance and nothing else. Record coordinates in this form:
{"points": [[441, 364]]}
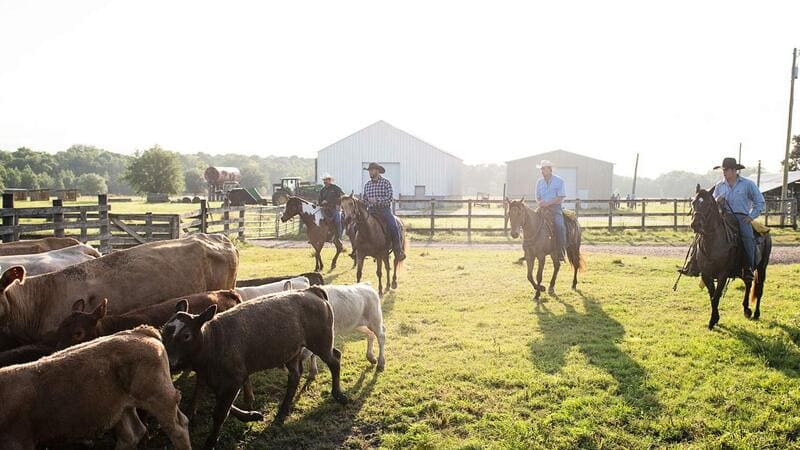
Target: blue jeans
{"points": [[561, 229], [336, 215], [748, 240], [391, 223]]}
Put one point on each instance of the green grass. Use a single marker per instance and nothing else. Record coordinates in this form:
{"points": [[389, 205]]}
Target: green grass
{"points": [[472, 362]]}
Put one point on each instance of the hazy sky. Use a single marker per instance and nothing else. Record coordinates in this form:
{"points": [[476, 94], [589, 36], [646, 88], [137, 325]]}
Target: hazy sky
{"points": [[682, 83]]}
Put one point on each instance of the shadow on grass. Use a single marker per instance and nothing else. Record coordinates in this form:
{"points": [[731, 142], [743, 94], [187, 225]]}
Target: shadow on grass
{"points": [[777, 352], [597, 335]]}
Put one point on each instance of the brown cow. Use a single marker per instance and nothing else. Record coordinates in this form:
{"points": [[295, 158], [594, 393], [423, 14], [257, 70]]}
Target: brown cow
{"points": [[36, 246], [80, 392], [129, 279]]}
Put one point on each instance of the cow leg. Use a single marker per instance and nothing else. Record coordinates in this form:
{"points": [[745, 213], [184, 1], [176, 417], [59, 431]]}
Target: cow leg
{"points": [[556, 267], [370, 339], [295, 368], [249, 397], [225, 398], [199, 385], [312, 368], [129, 430], [381, 341], [332, 358], [339, 247], [162, 403]]}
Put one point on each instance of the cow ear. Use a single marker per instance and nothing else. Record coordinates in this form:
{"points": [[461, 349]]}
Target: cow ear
{"points": [[697, 189], [16, 273], [711, 191], [206, 315], [287, 286], [182, 305], [100, 311], [79, 305]]}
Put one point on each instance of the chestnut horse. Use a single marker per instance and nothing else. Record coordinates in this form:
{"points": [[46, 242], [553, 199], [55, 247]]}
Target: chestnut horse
{"points": [[319, 230]]}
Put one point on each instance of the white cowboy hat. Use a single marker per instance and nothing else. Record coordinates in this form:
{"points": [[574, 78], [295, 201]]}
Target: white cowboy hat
{"points": [[326, 175], [544, 163]]}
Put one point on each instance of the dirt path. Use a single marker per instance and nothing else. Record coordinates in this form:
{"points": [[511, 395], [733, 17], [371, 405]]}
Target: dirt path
{"points": [[780, 254]]}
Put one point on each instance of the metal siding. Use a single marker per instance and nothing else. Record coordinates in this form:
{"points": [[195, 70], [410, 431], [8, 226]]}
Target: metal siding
{"points": [[593, 175]]}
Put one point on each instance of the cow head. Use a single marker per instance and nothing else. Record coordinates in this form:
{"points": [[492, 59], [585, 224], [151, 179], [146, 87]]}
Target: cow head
{"points": [[13, 275], [182, 334], [80, 326]]}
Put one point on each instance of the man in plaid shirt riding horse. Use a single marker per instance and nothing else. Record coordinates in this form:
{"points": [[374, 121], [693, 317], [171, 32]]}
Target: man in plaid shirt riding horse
{"points": [[377, 196]]}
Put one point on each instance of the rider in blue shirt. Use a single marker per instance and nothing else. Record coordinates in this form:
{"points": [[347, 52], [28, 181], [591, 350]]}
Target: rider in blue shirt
{"points": [[744, 200], [550, 193]]}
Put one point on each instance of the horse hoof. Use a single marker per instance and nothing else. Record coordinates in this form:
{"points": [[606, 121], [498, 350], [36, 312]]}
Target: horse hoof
{"points": [[747, 313], [713, 322], [551, 291], [372, 360], [394, 285], [757, 315]]}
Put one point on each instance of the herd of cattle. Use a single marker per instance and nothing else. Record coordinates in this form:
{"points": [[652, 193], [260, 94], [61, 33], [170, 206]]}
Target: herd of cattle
{"points": [[89, 343]]}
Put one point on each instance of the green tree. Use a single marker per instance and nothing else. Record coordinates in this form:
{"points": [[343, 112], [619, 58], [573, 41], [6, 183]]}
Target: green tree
{"points": [[13, 178], [155, 170], [195, 183], [92, 184], [46, 181], [794, 154], [253, 176], [28, 178]]}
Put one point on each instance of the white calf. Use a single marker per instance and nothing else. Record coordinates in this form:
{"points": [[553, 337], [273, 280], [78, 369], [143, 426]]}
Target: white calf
{"points": [[50, 261], [249, 293], [356, 307]]}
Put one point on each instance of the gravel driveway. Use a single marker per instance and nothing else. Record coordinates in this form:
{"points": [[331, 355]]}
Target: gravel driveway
{"points": [[780, 254]]}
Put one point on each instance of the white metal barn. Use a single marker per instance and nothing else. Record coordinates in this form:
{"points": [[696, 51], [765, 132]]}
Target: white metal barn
{"points": [[415, 168]]}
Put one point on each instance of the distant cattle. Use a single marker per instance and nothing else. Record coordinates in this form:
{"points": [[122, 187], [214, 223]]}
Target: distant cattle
{"points": [[129, 279], [51, 261], [36, 246], [87, 389]]}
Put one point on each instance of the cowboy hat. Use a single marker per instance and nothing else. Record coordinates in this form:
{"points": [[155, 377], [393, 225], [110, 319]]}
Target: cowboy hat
{"points": [[326, 175], [374, 165], [544, 163], [729, 163]]}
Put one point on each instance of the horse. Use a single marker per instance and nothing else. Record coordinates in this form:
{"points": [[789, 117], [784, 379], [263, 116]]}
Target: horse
{"points": [[371, 239], [719, 254], [318, 229], [540, 240]]}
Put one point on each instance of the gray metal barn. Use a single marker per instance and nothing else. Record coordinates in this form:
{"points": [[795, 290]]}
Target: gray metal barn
{"points": [[415, 168], [585, 178]]}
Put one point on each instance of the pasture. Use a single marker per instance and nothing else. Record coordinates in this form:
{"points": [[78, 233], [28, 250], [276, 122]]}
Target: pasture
{"points": [[472, 362]]}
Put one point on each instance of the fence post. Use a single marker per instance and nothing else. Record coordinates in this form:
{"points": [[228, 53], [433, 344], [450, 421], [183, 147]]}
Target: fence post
{"points": [[469, 221], [148, 222], [433, 216], [610, 213], [8, 221], [105, 234], [675, 215], [203, 213], [175, 227], [794, 214], [58, 218], [505, 218], [241, 224], [277, 225], [83, 219], [226, 216], [577, 208], [644, 212], [766, 213]]}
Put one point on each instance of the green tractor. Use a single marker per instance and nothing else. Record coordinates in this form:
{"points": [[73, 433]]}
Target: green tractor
{"points": [[293, 186]]}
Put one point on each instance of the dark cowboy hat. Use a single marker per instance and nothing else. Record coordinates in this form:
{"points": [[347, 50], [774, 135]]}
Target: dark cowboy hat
{"points": [[374, 165], [730, 163]]}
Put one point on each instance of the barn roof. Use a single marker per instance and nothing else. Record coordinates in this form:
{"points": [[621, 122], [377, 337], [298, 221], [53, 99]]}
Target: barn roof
{"points": [[384, 124], [540, 156], [772, 181]]}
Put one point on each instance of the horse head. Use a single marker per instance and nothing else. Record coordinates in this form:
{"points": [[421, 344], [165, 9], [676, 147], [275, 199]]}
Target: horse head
{"points": [[293, 207], [350, 207], [516, 215], [703, 207]]}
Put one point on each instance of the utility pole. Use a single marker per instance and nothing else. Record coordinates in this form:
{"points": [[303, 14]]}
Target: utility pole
{"points": [[784, 188], [635, 170], [758, 176], [739, 160]]}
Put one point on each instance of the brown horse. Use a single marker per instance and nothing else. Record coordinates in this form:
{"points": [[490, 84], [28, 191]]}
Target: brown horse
{"points": [[540, 240], [318, 229], [719, 254], [371, 239]]}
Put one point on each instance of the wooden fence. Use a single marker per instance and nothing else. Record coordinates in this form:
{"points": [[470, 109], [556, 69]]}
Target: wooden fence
{"points": [[96, 225], [470, 216]]}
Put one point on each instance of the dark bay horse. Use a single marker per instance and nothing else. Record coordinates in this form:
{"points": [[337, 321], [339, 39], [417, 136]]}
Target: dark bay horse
{"points": [[318, 229], [539, 241], [370, 239], [719, 254]]}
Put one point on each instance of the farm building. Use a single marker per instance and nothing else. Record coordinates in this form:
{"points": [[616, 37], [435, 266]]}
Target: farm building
{"points": [[415, 168], [771, 184], [585, 178]]}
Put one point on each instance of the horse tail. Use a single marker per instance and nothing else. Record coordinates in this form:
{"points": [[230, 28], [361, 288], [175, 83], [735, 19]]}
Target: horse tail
{"points": [[403, 237], [753, 287], [576, 258], [760, 272]]}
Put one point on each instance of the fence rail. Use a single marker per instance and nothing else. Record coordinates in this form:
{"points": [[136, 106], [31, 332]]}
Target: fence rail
{"points": [[95, 224]]}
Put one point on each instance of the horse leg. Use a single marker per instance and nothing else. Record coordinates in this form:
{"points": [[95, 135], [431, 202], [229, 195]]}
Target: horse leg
{"points": [[715, 301], [748, 284], [388, 273], [339, 247], [759, 288], [556, 267], [539, 272], [359, 266], [529, 262], [394, 274], [576, 259], [378, 271], [318, 257]]}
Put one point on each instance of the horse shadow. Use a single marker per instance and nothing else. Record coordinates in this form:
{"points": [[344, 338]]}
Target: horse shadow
{"points": [[596, 335], [777, 352]]}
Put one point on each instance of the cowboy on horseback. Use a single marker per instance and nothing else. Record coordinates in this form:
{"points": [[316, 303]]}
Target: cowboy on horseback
{"points": [[377, 196], [744, 201], [329, 199], [550, 193]]}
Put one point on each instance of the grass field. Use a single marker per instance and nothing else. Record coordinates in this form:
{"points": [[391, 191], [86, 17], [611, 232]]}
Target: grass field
{"points": [[472, 362]]}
